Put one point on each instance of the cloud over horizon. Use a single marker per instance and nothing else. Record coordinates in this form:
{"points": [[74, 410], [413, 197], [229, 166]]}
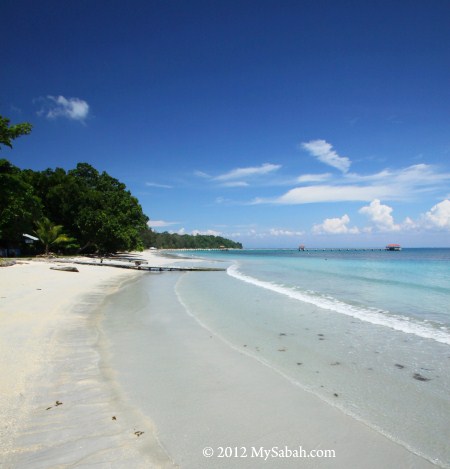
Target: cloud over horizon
{"points": [[335, 226], [161, 223], [380, 215], [439, 215]]}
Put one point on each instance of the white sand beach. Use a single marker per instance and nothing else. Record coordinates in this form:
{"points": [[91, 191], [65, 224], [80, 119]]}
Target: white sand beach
{"points": [[47, 357], [57, 408]]}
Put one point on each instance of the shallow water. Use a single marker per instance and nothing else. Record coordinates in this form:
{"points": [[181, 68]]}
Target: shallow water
{"points": [[382, 358], [369, 327]]}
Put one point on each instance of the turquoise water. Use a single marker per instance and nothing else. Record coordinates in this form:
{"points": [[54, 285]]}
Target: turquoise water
{"points": [[367, 331], [407, 290]]}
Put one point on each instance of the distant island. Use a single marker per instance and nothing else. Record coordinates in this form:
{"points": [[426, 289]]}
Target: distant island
{"points": [[166, 240]]}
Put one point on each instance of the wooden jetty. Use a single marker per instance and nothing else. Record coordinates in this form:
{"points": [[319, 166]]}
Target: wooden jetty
{"points": [[142, 265], [341, 249]]}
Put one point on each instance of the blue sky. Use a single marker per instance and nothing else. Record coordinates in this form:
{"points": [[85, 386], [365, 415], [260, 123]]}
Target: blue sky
{"points": [[273, 123]]}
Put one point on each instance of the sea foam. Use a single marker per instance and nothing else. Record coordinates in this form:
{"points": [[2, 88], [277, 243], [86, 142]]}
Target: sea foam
{"points": [[373, 316]]}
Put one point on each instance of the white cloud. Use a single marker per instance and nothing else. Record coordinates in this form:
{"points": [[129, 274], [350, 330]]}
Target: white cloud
{"points": [[327, 193], [235, 184], [206, 232], [402, 184], [59, 106], [277, 232], [324, 152], [439, 215], [417, 177], [380, 216], [240, 173], [201, 174], [155, 184], [335, 226], [161, 223], [313, 177]]}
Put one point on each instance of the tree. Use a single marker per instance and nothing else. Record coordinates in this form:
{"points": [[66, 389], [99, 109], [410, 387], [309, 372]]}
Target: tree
{"points": [[167, 240], [94, 208], [49, 234], [19, 206], [108, 218], [10, 132]]}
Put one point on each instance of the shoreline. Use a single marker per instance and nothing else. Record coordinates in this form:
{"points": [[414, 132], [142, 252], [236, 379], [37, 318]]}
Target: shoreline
{"points": [[65, 403], [201, 392]]}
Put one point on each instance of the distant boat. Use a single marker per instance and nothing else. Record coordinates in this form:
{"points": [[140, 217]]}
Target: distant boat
{"points": [[393, 247], [301, 247]]}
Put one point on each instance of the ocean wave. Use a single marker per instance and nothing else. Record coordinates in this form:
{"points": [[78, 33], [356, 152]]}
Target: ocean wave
{"points": [[377, 317]]}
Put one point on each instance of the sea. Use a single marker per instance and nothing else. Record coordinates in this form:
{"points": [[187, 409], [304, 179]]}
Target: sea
{"points": [[367, 331]]}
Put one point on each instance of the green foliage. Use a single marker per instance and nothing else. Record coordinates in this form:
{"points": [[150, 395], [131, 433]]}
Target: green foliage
{"points": [[108, 216], [175, 241], [49, 234], [10, 132], [19, 206], [95, 209]]}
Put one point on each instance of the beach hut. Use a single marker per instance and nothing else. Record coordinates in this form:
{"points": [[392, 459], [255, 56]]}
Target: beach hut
{"points": [[393, 247], [30, 239]]}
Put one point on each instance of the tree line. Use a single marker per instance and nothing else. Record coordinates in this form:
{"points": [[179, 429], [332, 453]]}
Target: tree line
{"points": [[168, 240], [80, 210]]}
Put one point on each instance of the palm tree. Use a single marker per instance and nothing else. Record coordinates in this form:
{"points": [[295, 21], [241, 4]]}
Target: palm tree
{"points": [[49, 233]]}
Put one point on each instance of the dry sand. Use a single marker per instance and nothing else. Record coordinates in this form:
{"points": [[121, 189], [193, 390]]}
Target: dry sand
{"points": [[55, 410]]}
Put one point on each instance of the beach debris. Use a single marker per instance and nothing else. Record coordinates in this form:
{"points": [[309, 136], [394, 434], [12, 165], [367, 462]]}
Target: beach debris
{"points": [[400, 367], [138, 433], [299, 363], [65, 269], [114, 417], [335, 363], [282, 333], [336, 394], [420, 377], [245, 345], [57, 403], [282, 349]]}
